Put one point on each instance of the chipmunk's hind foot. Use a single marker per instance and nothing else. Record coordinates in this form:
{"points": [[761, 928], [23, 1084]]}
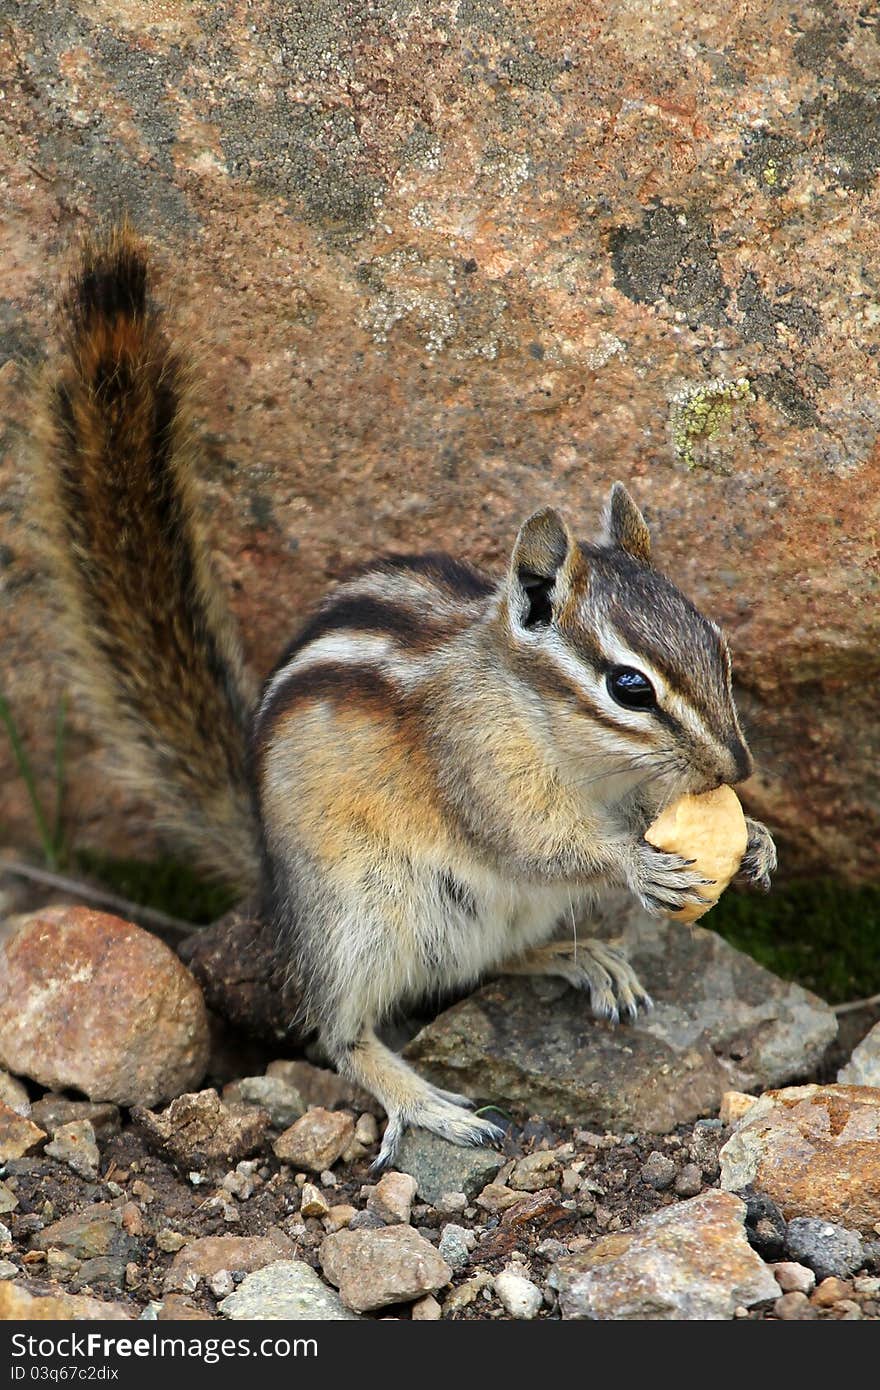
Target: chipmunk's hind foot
{"points": [[441, 1118], [598, 967]]}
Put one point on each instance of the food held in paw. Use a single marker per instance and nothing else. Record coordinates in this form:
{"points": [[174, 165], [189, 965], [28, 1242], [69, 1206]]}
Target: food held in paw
{"points": [[711, 830]]}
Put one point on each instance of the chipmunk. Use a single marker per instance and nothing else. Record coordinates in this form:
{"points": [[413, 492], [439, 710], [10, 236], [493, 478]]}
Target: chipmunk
{"points": [[441, 766]]}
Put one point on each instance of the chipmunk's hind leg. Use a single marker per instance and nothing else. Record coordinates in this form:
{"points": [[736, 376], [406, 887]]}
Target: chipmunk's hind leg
{"points": [[409, 1100], [595, 966]]}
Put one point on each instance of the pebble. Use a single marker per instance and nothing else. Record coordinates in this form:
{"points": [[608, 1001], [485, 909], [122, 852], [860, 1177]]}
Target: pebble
{"points": [[313, 1201], [734, 1104], [426, 1309], [765, 1225], [243, 1180], [281, 1100], [7, 1269], [14, 1094], [815, 1150], [863, 1067], [51, 1112], [689, 1181], [366, 1221], [831, 1290], [320, 1087], [658, 1171], [455, 1247], [8, 1199], [339, 1217], [287, 1290], [96, 1004], [439, 1166], [392, 1198], [451, 1203], [687, 1261], [824, 1247], [199, 1131], [95, 1231], [221, 1284], [316, 1140], [170, 1241], [536, 1171], [497, 1197], [794, 1306], [366, 1131], [18, 1134], [373, 1269], [17, 1305], [794, 1278], [518, 1295], [74, 1144], [207, 1256]]}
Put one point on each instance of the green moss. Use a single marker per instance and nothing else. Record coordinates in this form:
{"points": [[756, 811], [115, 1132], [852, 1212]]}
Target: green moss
{"points": [[163, 884], [700, 412], [823, 934]]}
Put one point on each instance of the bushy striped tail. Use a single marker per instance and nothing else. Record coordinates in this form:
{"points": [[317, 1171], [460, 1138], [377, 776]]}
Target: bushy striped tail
{"points": [[155, 648]]}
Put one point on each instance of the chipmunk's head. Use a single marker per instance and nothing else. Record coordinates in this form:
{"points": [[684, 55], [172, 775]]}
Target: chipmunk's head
{"points": [[636, 680]]}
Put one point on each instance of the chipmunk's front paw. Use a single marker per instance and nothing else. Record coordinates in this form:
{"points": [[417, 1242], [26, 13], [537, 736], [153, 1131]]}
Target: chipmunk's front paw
{"points": [[663, 882], [759, 860]]}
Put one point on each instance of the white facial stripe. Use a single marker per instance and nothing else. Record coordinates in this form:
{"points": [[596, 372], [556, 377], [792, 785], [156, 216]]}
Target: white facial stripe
{"points": [[618, 654], [593, 687]]}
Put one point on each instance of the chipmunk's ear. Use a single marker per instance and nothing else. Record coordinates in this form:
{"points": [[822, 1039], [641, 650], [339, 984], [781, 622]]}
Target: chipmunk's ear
{"points": [[540, 573], [624, 526]]}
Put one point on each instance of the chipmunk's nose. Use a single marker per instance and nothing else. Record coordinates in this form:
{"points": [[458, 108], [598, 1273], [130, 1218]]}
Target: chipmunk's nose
{"points": [[741, 760]]}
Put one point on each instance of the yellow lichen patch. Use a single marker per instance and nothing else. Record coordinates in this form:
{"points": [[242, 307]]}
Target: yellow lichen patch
{"points": [[700, 412]]}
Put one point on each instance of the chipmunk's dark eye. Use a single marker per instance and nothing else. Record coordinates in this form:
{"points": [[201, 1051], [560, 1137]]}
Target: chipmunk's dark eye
{"points": [[630, 688]]}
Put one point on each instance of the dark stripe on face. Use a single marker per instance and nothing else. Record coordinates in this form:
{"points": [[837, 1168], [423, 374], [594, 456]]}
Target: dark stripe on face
{"points": [[365, 613], [540, 672]]}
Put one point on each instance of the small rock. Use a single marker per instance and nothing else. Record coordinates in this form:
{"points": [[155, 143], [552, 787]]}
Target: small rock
{"points": [[51, 1112], [74, 1144], [281, 1101], [14, 1094], [372, 1269], [392, 1198], [198, 1131], [496, 1197], [316, 1140], [794, 1307], [536, 1171], [8, 1270], [8, 1199], [689, 1181], [338, 1217], [170, 1241], [104, 1269], [288, 1290], [366, 1221], [658, 1171], [313, 1201], [88, 1234], [176, 1307], [455, 1247], [426, 1309], [205, 1257], [17, 1305], [863, 1067], [18, 1135], [825, 1248], [243, 1181], [60, 1264], [831, 1291], [451, 1203], [814, 1149], [96, 1004], [439, 1166], [222, 1283], [765, 1225], [690, 1260], [5, 1236], [794, 1278], [366, 1131], [734, 1105], [467, 1293], [320, 1087], [519, 1296]]}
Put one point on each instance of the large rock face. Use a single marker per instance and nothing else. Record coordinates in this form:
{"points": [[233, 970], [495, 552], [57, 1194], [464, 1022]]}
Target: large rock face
{"points": [[448, 263]]}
